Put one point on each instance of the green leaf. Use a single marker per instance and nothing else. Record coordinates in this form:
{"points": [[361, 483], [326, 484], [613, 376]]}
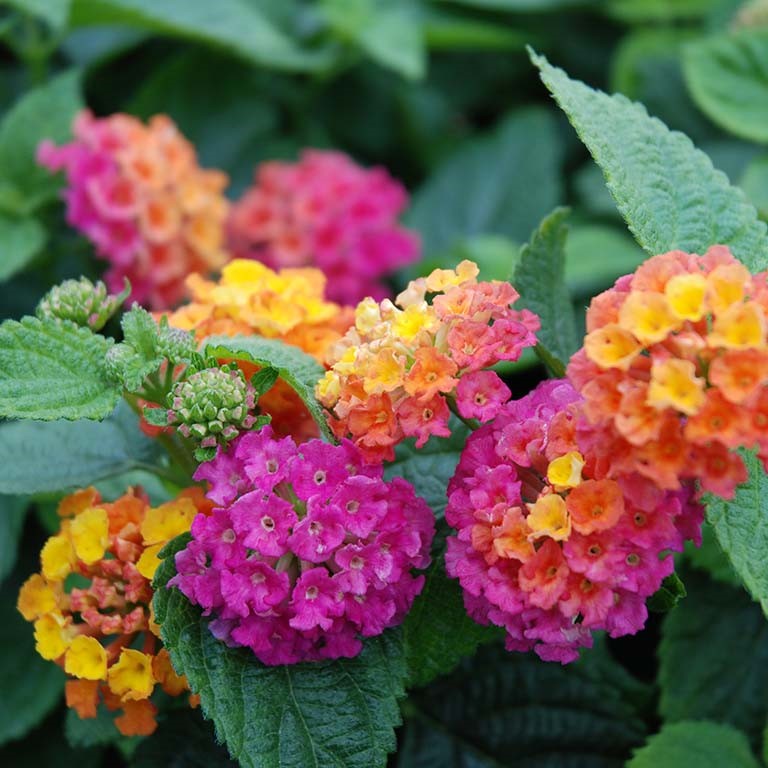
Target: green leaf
{"points": [[95, 731], [540, 278], [238, 26], [437, 631], [740, 526], [755, 183], [45, 457], [511, 709], [22, 240], [430, 467], [667, 190], [13, 511], [300, 371], [339, 713], [31, 686], [669, 594], [502, 184], [710, 557], [728, 78], [451, 32], [695, 745], [53, 370], [55, 12], [713, 658], [635, 11], [45, 112], [521, 6], [183, 740]]}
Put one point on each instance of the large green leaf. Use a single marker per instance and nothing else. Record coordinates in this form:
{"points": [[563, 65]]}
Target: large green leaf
{"points": [[45, 112], [339, 713], [695, 745], [31, 686], [754, 182], [238, 26], [300, 371], [44, 456], [728, 79], [667, 190], [430, 467], [502, 184], [741, 526], [724, 677], [540, 278], [510, 709], [54, 12], [53, 370], [13, 511], [709, 557], [659, 10], [22, 239]]}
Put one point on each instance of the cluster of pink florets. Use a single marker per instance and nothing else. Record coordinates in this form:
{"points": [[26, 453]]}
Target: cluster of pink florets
{"points": [[137, 192], [551, 563], [310, 551], [325, 211]]}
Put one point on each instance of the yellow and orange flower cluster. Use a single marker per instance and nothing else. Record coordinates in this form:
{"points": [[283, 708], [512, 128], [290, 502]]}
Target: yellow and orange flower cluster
{"points": [[287, 304], [674, 370], [138, 193], [393, 373], [101, 632]]}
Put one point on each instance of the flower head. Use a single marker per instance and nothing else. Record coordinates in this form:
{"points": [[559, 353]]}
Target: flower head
{"points": [[325, 211], [81, 301], [311, 551], [89, 629], [394, 374], [674, 365], [547, 546], [139, 195]]}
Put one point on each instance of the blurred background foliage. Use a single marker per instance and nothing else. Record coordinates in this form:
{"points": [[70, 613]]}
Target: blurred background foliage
{"points": [[440, 92]]}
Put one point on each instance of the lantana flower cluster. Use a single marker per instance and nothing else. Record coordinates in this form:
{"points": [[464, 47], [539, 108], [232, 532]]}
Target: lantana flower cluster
{"points": [[548, 547], [325, 211], [289, 305], [137, 192], [310, 551], [101, 632], [674, 371], [395, 373]]}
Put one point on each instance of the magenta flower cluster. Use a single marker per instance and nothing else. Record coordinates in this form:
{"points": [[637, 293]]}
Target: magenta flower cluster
{"points": [[328, 212], [550, 578], [310, 550]]}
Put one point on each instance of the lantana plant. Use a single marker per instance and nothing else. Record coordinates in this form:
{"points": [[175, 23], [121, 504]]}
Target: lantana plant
{"points": [[330, 449]]}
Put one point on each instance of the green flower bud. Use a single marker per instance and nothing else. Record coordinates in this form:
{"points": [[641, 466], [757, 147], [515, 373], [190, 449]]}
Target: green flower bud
{"points": [[82, 302]]}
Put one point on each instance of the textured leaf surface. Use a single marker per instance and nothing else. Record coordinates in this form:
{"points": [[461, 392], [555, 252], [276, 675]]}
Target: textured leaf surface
{"points": [[51, 370], [540, 278], [339, 713], [667, 190], [728, 78], [296, 368], [237, 25], [95, 731], [695, 745], [741, 526], [463, 198], [709, 557], [43, 113], [44, 456], [22, 240], [514, 710], [430, 467], [714, 658]]}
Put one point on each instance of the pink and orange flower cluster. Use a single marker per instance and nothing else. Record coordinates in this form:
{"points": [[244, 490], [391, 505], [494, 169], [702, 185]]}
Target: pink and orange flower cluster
{"points": [[102, 632], [396, 372], [137, 192]]}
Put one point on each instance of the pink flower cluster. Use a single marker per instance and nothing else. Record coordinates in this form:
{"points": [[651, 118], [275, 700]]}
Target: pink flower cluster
{"points": [[549, 548], [325, 211], [309, 551], [139, 195]]}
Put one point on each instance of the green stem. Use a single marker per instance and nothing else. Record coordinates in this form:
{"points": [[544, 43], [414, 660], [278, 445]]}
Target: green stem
{"points": [[471, 424]]}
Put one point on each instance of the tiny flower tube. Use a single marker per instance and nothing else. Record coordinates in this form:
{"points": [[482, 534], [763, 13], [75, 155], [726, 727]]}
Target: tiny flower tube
{"points": [[674, 371], [325, 211], [138, 194], [546, 546], [308, 552], [92, 630], [403, 365]]}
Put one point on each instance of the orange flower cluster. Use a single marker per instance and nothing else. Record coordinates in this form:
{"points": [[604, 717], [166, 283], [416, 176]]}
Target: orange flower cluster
{"points": [[287, 304], [674, 371], [102, 632], [393, 373]]}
